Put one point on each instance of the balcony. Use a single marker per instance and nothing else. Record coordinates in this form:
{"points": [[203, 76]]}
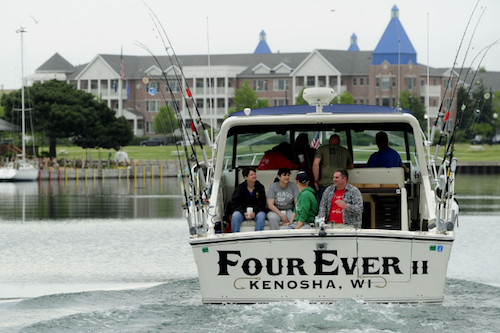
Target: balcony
{"points": [[434, 91]]}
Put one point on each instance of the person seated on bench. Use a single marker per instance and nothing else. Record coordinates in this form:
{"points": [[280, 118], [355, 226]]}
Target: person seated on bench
{"points": [[279, 157], [249, 201], [342, 203], [385, 157], [281, 198], [306, 207]]}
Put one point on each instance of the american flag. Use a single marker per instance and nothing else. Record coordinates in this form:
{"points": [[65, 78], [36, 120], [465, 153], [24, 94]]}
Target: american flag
{"points": [[316, 141], [122, 69]]}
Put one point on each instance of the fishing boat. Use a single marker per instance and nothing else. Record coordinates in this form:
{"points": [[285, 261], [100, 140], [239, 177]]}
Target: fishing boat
{"points": [[20, 170], [399, 255]]}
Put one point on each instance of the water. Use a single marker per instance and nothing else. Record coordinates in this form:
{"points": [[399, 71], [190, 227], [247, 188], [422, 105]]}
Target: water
{"points": [[114, 257]]}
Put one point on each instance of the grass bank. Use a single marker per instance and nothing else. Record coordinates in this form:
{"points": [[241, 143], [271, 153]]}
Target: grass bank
{"points": [[464, 152]]}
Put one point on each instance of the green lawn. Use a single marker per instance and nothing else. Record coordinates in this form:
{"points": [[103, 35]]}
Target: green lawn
{"points": [[463, 152]]}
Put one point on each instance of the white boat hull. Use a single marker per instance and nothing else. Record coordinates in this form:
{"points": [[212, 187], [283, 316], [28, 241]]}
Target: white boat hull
{"points": [[369, 265], [11, 174]]}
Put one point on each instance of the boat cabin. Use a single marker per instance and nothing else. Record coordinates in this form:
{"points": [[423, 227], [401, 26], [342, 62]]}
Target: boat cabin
{"points": [[393, 198]]}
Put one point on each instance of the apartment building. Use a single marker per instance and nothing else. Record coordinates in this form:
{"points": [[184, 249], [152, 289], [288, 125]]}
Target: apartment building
{"points": [[372, 77]]}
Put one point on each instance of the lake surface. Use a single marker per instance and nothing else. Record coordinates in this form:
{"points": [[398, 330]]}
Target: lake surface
{"points": [[114, 256]]}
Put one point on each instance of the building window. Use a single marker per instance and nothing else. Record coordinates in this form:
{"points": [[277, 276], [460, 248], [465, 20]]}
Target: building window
{"points": [[447, 104], [377, 82], [199, 103], [139, 125], [434, 81], [361, 101], [393, 81], [260, 85], [376, 101], [367, 83], [174, 85], [153, 84], [280, 85], [361, 81], [173, 104], [199, 83], [422, 82], [280, 102], [149, 127], [448, 83], [152, 106], [311, 81], [393, 101], [354, 81], [333, 83], [385, 102], [385, 83], [321, 81], [93, 85], [410, 82]]}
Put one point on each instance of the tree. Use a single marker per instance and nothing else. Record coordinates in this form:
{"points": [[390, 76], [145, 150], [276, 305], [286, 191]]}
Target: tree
{"points": [[345, 98], [166, 121], [300, 100], [412, 103], [61, 111], [246, 97]]}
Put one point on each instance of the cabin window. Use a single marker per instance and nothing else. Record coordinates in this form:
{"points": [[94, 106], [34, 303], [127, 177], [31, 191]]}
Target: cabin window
{"points": [[252, 146], [363, 144]]}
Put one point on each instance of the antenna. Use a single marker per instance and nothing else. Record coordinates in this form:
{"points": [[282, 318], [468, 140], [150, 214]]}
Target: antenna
{"points": [[399, 75], [428, 81], [210, 106]]}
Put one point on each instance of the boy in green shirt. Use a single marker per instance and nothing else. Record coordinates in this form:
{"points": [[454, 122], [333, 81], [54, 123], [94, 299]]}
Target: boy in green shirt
{"points": [[306, 207]]}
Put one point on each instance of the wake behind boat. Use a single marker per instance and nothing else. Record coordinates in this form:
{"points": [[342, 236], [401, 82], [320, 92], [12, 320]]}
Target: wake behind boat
{"points": [[401, 252]]}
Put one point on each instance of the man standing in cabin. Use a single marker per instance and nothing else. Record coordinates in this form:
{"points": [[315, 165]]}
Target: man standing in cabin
{"points": [[306, 208], [329, 157], [342, 203], [385, 157], [249, 201]]}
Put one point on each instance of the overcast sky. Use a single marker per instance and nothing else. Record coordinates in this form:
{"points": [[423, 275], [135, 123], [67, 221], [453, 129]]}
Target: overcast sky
{"points": [[79, 30]]}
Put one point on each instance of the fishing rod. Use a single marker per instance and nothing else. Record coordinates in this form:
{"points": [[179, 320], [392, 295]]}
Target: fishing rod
{"points": [[182, 129], [440, 114], [193, 198], [463, 107], [157, 23]]}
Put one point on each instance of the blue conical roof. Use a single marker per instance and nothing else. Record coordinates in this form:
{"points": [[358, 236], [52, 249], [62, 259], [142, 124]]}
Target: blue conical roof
{"points": [[262, 47], [394, 41], [354, 43]]}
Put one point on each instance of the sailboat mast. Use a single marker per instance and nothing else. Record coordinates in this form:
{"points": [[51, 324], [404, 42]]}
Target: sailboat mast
{"points": [[21, 31]]}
